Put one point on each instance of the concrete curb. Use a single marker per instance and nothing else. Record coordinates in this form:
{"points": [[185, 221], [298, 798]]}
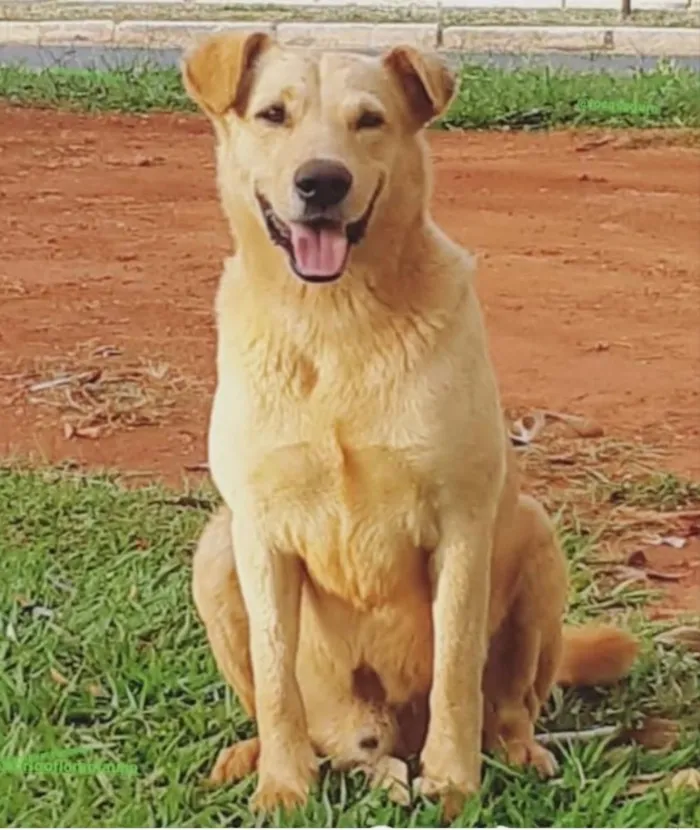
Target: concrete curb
{"points": [[176, 34], [409, 5], [512, 40], [359, 36], [521, 39]]}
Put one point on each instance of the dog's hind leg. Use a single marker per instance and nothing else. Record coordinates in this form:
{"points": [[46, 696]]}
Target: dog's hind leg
{"points": [[512, 682], [236, 762], [219, 602], [524, 653]]}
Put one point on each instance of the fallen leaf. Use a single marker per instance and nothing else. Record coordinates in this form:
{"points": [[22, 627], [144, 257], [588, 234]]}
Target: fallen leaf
{"points": [[686, 779], [10, 632], [23, 601], [642, 783], [684, 635], [107, 351], [567, 460], [68, 431], [57, 677], [665, 576], [638, 559], [676, 542], [89, 432], [524, 431], [96, 690], [148, 161], [654, 733], [628, 574], [605, 345], [584, 427], [41, 611], [65, 380], [592, 145], [578, 735], [584, 177], [50, 384], [638, 562], [196, 468]]}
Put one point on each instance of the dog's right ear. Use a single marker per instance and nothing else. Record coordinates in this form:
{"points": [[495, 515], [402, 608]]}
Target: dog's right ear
{"points": [[217, 73]]}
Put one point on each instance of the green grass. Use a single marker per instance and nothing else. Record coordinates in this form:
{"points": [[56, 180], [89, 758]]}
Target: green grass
{"points": [[489, 97], [94, 584], [134, 90], [541, 97], [659, 491]]}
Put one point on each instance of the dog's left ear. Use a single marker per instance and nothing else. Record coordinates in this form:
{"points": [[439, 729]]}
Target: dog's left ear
{"points": [[217, 73], [427, 83]]}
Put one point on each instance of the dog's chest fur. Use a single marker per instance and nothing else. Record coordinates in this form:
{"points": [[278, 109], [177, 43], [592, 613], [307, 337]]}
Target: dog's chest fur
{"points": [[361, 519], [333, 448]]}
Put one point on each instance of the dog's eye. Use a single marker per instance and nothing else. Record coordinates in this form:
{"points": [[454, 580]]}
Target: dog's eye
{"points": [[369, 120], [275, 114]]}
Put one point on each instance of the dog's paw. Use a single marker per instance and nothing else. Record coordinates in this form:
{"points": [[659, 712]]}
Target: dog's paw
{"points": [[236, 762], [532, 754], [451, 797], [273, 794], [285, 782], [285, 794], [450, 776], [390, 774]]}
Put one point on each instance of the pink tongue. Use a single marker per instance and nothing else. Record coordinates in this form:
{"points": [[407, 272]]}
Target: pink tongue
{"points": [[318, 253]]}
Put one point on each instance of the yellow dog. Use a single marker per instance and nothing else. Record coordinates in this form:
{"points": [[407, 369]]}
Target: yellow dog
{"points": [[374, 556]]}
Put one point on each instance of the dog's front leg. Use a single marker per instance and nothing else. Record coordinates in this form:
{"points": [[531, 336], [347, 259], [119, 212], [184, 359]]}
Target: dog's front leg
{"points": [[451, 757], [271, 586]]}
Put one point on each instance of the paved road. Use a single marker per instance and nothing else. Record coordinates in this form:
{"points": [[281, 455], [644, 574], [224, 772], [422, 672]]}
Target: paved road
{"points": [[96, 57]]}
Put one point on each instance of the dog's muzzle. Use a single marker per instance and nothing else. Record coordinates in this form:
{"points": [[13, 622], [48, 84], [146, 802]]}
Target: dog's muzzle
{"points": [[318, 247]]}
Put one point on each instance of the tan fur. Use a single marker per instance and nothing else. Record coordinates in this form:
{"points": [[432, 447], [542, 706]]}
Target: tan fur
{"points": [[595, 655], [373, 527]]}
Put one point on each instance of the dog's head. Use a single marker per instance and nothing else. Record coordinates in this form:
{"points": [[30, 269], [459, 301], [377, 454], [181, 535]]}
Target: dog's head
{"points": [[322, 151]]}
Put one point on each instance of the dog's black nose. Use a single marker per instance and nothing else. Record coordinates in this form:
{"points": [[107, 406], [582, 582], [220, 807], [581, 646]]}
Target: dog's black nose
{"points": [[369, 743], [322, 183]]}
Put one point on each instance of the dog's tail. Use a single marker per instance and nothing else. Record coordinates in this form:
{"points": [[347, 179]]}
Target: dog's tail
{"points": [[595, 655]]}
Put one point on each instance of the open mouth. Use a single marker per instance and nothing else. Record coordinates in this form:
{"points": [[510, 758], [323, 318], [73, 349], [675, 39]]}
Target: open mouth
{"points": [[318, 248]]}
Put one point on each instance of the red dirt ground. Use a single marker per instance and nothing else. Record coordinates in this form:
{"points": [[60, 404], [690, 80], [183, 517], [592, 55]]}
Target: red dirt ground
{"points": [[589, 273]]}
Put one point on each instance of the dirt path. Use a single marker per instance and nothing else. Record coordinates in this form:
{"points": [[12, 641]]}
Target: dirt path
{"points": [[112, 235]]}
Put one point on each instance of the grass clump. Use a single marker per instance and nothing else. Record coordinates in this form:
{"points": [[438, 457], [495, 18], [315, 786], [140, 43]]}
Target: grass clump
{"points": [[660, 491], [101, 651]]}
